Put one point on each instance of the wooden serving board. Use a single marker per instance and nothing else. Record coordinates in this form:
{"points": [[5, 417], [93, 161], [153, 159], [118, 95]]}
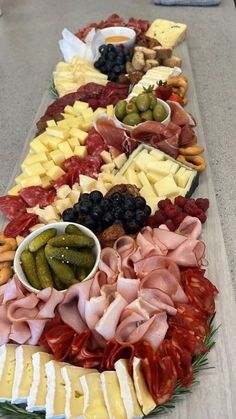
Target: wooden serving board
{"points": [[215, 397]]}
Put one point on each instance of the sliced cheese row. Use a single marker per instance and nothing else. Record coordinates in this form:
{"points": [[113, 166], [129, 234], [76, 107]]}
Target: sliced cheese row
{"points": [[28, 375]]}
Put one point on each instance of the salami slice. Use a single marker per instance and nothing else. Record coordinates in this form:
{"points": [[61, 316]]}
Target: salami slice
{"points": [[20, 225], [12, 206], [36, 195]]}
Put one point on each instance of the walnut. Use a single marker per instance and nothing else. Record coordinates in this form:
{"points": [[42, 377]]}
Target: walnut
{"points": [[124, 189], [129, 67], [135, 76], [108, 237], [138, 60]]}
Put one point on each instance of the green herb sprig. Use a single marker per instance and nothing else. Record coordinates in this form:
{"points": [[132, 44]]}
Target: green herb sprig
{"points": [[52, 90]]}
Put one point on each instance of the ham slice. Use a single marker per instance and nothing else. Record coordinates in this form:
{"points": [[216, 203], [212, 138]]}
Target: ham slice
{"points": [[108, 323]]}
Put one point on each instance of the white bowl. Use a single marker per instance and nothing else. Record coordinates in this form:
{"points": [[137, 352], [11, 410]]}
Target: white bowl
{"points": [[60, 227], [131, 127], [120, 31]]}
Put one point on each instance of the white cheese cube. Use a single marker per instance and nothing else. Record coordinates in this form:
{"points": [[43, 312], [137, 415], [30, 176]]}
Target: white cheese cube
{"points": [[174, 168], [74, 197], [120, 160], [144, 181], [7, 371], [166, 186], [63, 191], [153, 177], [157, 154], [112, 395], [182, 177], [159, 167], [143, 160], [62, 204], [106, 156], [109, 167], [99, 186], [132, 177], [87, 183]]}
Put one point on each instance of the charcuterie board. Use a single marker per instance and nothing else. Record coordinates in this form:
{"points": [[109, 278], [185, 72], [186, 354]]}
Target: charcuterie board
{"points": [[215, 396]]}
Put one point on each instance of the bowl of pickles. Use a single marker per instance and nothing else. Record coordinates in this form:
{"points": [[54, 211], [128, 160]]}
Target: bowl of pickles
{"points": [[141, 108], [57, 255]]}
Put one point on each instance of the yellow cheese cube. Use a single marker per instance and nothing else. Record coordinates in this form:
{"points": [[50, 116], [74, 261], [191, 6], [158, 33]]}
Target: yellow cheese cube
{"points": [[37, 146], [34, 158], [87, 113], [68, 115], [78, 133], [86, 126], [57, 156], [55, 172], [63, 191], [79, 105], [166, 186], [66, 150], [48, 165], [34, 169], [53, 143], [19, 178], [147, 192], [157, 154], [120, 160], [153, 177], [51, 123], [31, 181], [99, 111], [58, 132], [182, 177], [74, 122], [159, 167], [70, 110], [81, 151], [64, 123], [144, 180], [110, 110], [132, 177], [15, 190], [73, 141], [46, 181]]}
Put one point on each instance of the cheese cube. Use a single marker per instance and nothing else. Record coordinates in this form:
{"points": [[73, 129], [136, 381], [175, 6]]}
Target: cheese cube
{"points": [[93, 397], [51, 123], [157, 154], [23, 373], [73, 141], [37, 396], [56, 393], [143, 161], [48, 165], [106, 156], [99, 186], [153, 177], [87, 183], [15, 190], [46, 181], [70, 110], [34, 169], [118, 179], [105, 177], [35, 158], [19, 178], [81, 151], [64, 123], [31, 181], [160, 167], [143, 395], [53, 143], [111, 394], [62, 204], [57, 156], [147, 192], [37, 146], [55, 172], [57, 132], [132, 177], [174, 168], [87, 114], [166, 186], [99, 111], [47, 214], [120, 160], [152, 201], [182, 177], [109, 167], [66, 150], [86, 126], [78, 133], [76, 187], [7, 371], [110, 110], [68, 115], [63, 191], [74, 122], [74, 197], [144, 180], [79, 106]]}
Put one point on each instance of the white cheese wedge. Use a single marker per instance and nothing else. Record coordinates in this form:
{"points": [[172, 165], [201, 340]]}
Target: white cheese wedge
{"points": [[7, 371], [56, 391], [144, 397], [94, 404], [127, 390], [74, 391], [112, 396], [168, 33], [38, 391], [23, 373]]}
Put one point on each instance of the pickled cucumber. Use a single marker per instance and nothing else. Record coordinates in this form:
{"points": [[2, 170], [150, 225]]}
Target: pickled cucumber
{"points": [[29, 268], [57, 283], [72, 229], [42, 239], [71, 240], [75, 257], [63, 271], [43, 269], [81, 273]]}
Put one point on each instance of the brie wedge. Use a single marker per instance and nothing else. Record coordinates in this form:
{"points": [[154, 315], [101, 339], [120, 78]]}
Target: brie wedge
{"points": [[112, 395], [7, 371], [127, 389], [94, 404], [38, 391], [144, 397], [56, 391]]}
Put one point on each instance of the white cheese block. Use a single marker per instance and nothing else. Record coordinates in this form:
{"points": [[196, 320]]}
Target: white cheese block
{"points": [[168, 33], [87, 183], [63, 191], [56, 391], [144, 397], [127, 389], [120, 160], [7, 371], [94, 404], [166, 186], [112, 395], [38, 391], [23, 373], [74, 391]]}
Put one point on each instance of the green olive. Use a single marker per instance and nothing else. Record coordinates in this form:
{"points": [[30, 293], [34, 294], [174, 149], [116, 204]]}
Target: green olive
{"points": [[159, 113], [131, 107], [153, 100], [133, 99], [143, 102], [132, 119], [147, 115], [120, 109]]}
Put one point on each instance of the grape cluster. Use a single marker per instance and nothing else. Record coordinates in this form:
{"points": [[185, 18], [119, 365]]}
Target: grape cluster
{"points": [[112, 61], [172, 215], [97, 212]]}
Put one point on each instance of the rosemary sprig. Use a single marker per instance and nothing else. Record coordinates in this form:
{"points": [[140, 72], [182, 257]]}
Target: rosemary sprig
{"points": [[52, 90], [200, 363]]}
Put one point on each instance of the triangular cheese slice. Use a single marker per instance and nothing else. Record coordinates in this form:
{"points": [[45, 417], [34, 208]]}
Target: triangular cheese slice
{"points": [[144, 397]]}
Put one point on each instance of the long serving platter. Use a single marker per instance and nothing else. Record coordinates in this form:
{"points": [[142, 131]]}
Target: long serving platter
{"points": [[215, 397]]}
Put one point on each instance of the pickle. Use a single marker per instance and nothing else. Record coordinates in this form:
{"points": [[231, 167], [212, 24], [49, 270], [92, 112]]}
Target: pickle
{"points": [[71, 240], [43, 269], [63, 271], [87, 253], [81, 273], [42, 239], [58, 284], [29, 268], [72, 229], [75, 257]]}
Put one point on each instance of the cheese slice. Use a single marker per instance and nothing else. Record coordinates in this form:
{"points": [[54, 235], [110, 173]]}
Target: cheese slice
{"points": [[94, 404], [74, 391], [38, 391], [167, 32], [144, 397], [7, 371], [112, 395], [127, 390], [23, 373], [56, 391]]}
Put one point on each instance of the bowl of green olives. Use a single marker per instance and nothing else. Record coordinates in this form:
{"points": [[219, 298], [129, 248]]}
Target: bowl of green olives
{"points": [[57, 255], [144, 107]]}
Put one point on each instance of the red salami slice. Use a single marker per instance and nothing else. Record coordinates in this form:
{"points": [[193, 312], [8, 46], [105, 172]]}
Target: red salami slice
{"points": [[12, 206], [36, 195], [167, 378], [21, 225]]}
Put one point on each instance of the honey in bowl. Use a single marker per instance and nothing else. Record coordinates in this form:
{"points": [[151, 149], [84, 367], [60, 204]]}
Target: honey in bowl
{"points": [[116, 39]]}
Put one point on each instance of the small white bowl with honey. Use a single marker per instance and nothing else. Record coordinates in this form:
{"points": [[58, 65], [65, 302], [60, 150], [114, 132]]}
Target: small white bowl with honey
{"points": [[119, 35]]}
